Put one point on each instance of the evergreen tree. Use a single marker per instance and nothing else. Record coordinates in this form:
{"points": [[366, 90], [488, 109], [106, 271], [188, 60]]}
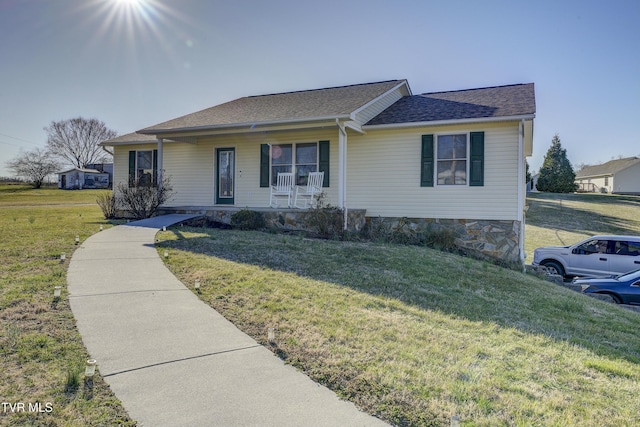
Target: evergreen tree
{"points": [[556, 173]]}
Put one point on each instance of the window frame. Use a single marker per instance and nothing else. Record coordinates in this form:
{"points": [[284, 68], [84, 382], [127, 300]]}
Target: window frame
{"points": [[437, 160], [294, 165], [135, 180]]}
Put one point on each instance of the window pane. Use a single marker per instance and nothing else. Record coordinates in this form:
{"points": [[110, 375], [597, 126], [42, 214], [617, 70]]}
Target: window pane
{"points": [[145, 159], [278, 169], [281, 154], [306, 153], [460, 146], [302, 173], [452, 172], [445, 147], [306, 161], [452, 147]]}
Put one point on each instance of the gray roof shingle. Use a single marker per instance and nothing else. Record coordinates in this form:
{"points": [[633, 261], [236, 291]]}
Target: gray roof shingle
{"points": [[490, 102], [609, 168], [134, 138], [281, 107]]}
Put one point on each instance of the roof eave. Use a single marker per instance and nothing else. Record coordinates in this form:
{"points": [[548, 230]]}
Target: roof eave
{"points": [[451, 122], [247, 126], [116, 144]]}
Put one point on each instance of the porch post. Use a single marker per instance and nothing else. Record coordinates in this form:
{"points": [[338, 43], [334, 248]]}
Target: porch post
{"points": [[159, 165]]}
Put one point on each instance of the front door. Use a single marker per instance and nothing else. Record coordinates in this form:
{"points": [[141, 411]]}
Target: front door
{"points": [[225, 159]]}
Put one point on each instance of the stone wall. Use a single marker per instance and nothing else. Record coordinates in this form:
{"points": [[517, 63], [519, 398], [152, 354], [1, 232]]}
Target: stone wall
{"points": [[284, 219], [485, 238]]}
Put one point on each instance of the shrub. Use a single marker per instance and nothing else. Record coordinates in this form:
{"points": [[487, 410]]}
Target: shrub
{"points": [[142, 200], [246, 219], [107, 203], [327, 221], [443, 239]]}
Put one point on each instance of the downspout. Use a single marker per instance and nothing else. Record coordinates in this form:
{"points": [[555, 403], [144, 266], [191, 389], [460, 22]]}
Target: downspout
{"points": [[105, 149], [521, 187], [342, 171]]}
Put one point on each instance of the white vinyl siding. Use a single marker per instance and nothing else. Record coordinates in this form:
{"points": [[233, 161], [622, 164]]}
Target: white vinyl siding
{"points": [[383, 171], [627, 181], [192, 166], [383, 176]]}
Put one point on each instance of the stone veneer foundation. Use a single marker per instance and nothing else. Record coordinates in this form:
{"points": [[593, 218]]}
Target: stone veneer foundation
{"points": [[486, 238], [498, 240]]}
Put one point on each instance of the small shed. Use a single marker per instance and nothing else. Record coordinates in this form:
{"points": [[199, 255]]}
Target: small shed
{"points": [[77, 179]]}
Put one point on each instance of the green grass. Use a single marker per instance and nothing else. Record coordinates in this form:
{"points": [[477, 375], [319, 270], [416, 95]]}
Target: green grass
{"points": [[416, 336], [14, 195], [40, 347]]}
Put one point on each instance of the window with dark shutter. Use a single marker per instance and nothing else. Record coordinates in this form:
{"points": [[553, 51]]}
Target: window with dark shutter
{"points": [[476, 155], [426, 165], [323, 161], [264, 165]]}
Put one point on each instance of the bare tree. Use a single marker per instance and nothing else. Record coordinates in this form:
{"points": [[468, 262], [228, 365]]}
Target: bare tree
{"points": [[34, 166], [75, 141]]}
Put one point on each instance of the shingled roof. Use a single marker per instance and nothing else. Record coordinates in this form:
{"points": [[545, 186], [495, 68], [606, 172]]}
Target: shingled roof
{"points": [[490, 102], [329, 103], [609, 168], [130, 138]]}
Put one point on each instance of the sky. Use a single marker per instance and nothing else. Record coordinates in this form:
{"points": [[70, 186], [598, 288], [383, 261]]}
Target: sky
{"points": [[133, 64]]}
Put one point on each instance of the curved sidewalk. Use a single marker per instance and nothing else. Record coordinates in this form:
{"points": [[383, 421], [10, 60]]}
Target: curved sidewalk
{"points": [[171, 359]]}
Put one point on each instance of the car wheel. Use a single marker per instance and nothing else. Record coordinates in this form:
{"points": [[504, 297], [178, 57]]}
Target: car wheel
{"points": [[554, 267], [615, 298]]}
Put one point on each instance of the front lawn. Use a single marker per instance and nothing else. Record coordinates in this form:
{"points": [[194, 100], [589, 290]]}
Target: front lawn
{"points": [[40, 348], [416, 336]]}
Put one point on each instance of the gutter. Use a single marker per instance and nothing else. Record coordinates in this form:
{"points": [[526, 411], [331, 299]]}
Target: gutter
{"points": [[250, 125], [450, 122]]}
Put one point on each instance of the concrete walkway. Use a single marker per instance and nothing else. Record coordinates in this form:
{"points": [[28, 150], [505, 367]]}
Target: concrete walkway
{"points": [[171, 359]]}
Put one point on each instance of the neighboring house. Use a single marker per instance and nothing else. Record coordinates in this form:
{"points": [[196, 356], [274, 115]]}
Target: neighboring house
{"points": [[620, 176], [103, 167], [446, 159], [78, 178]]}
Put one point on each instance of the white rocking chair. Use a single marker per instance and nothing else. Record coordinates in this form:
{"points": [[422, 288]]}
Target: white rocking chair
{"points": [[282, 189], [306, 195]]}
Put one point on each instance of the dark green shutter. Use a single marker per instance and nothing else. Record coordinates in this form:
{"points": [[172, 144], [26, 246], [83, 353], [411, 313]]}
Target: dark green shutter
{"points": [[476, 171], [155, 168], [132, 167], [427, 161], [264, 165], [323, 162]]}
